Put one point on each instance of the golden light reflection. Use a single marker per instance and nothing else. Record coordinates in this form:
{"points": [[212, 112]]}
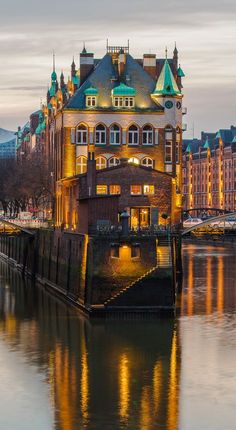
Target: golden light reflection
{"points": [[146, 411], [172, 418], [157, 383], [190, 286], [84, 383], [209, 286], [220, 286], [124, 388], [62, 389]]}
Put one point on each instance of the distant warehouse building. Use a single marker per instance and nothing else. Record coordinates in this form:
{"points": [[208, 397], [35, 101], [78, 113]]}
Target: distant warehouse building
{"points": [[7, 144]]}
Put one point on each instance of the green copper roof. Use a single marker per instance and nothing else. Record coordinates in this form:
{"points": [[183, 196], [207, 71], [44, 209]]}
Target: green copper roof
{"points": [[54, 76], [123, 90], [75, 80], [91, 91], [180, 73], [188, 149], [206, 144], [52, 90], [218, 136], [166, 84], [234, 139]]}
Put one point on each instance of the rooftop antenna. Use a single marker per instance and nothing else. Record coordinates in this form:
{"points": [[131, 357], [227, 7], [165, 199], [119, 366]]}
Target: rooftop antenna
{"points": [[193, 129], [128, 45], [166, 52], [53, 60], [107, 44]]}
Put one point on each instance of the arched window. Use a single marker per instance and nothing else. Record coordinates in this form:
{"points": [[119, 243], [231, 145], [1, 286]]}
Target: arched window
{"points": [[147, 135], [101, 163], [114, 161], [134, 160], [100, 135], [115, 135], [82, 135], [168, 151], [147, 162], [133, 135], [81, 165]]}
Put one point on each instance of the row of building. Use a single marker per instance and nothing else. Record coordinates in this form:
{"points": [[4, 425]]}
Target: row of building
{"points": [[111, 137]]}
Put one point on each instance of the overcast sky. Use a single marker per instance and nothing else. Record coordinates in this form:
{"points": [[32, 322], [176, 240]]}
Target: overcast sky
{"points": [[204, 30]]}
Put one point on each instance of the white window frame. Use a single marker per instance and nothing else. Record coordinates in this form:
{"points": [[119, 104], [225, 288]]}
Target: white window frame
{"points": [[118, 102], [100, 135], [168, 144], [81, 165], [91, 101], [101, 163], [147, 162], [82, 131], [128, 102], [113, 162], [148, 134], [115, 135], [132, 134]]}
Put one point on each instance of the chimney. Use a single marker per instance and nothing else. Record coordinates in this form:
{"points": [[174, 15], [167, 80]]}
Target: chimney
{"points": [[91, 174], [149, 65], [121, 64], [86, 65]]}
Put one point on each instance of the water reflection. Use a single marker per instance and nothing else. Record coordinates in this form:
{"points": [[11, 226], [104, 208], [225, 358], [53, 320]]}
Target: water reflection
{"points": [[122, 374]]}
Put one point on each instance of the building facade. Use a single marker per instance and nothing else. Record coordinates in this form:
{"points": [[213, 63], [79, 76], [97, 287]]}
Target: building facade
{"points": [[8, 144], [122, 110], [209, 171]]}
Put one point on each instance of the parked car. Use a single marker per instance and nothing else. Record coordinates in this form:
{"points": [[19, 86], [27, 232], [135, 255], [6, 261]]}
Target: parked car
{"points": [[191, 222]]}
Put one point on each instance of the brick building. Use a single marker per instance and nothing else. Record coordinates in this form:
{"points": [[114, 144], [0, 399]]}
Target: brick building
{"points": [[126, 112], [209, 171]]}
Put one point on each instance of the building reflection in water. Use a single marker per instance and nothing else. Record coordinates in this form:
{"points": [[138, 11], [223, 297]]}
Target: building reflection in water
{"points": [[101, 374], [204, 282]]}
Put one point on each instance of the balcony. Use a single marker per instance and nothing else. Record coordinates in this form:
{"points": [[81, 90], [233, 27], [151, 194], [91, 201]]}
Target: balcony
{"points": [[184, 111]]}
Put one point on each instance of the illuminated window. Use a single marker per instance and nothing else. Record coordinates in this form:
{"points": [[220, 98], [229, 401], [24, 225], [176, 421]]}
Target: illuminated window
{"points": [[82, 135], [100, 135], [81, 165], [101, 163], [133, 135], [118, 101], [101, 189], [114, 189], [147, 135], [168, 151], [91, 101], [115, 135], [127, 102], [147, 162], [134, 160], [148, 189], [135, 190], [114, 161]]}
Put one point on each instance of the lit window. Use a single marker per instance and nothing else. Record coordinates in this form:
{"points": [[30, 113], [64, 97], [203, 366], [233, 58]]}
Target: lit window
{"points": [[118, 101], [135, 189], [81, 165], [134, 160], [148, 189], [147, 162], [114, 189], [115, 135], [129, 102], [101, 163], [133, 135], [168, 151], [114, 161], [100, 135], [82, 135], [91, 101], [147, 135], [101, 189]]}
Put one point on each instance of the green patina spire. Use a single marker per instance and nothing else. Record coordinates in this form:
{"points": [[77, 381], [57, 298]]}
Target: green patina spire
{"points": [[206, 144], [166, 84], [188, 149], [218, 136], [180, 73], [234, 139]]}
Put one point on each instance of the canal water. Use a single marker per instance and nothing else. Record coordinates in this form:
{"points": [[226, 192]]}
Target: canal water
{"points": [[60, 371]]}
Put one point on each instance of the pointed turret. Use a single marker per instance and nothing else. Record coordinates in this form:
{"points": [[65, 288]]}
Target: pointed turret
{"points": [[175, 57], [206, 144], [166, 84], [73, 68], [188, 149]]}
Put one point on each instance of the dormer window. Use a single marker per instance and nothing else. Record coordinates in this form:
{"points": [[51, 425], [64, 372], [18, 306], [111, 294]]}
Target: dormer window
{"points": [[91, 101], [123, 97], [91, 97]]}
